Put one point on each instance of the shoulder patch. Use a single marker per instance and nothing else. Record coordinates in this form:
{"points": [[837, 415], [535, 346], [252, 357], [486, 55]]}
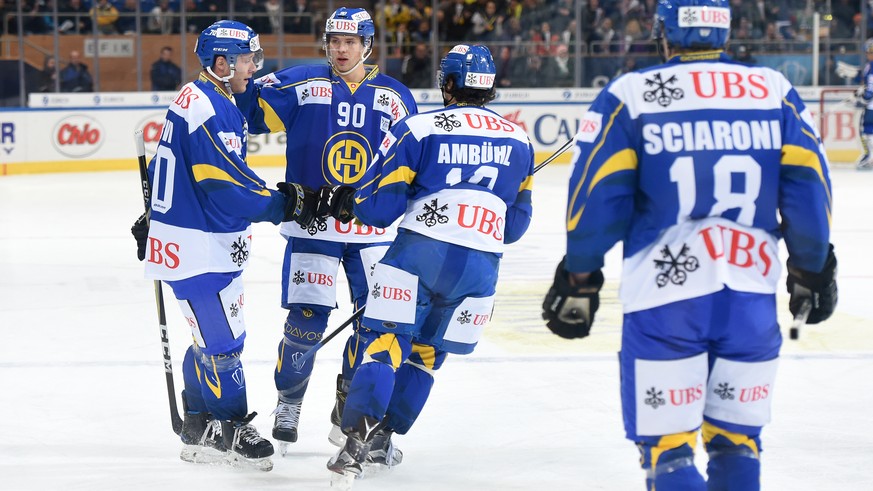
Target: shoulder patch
{"points": [[192, 105]]}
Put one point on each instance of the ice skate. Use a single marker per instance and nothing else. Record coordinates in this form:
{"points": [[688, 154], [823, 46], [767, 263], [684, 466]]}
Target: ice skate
{"points": [[382, 452], [865, 163], [336, 436], [285, 424], [348, 463], [203, 443], [245, 446]]}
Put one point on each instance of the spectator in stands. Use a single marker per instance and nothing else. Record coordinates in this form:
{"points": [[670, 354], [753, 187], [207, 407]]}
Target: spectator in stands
{"points": [[416, 70], [564, 66], [629, 65], [562, 14], [75, 76], [457, 21], [161, 19], [422, 32], [396, 14], [73, 18], [166, 75], [300, 19], [48, 76], [126, 23], [504, 63], [36, 17], [535, 72], [196, 19], [635, 39], [106, 15], [487, 23], [743, 55], [604, 38], [253, 14]]}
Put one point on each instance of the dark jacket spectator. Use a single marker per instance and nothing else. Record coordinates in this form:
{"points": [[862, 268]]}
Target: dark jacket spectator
{"points": [[300, 20], [75, 76], [416, 72], [73, 17], [166, 75], [48, 75]]}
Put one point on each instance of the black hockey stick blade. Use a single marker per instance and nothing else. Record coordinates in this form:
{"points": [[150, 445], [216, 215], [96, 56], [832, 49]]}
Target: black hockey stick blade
{"points": [[800, 319], [175, 419]]}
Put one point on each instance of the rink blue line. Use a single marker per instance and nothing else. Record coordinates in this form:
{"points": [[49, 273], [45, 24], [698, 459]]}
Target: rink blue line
{"points": [[454, 360]]}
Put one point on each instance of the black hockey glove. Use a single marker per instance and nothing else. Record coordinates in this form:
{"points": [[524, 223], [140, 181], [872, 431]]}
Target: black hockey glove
{"points": [[301, 204], [820, 288], [569, 309], [337, 201], [140, 231]]}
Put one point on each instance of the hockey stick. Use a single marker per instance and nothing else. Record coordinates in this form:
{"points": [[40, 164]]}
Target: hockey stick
{"points": [[298, 363], [555, 155], [175, 419], [300, 360], [800, 318]]}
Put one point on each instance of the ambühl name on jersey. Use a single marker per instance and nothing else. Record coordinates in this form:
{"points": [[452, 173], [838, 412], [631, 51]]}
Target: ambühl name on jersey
{"points": [[473, 154]]}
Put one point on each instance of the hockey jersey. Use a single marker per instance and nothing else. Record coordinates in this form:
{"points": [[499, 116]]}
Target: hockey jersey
{"points": [[333, 131], [691, 164], [203, 195], [462, 175], [867, 84]]}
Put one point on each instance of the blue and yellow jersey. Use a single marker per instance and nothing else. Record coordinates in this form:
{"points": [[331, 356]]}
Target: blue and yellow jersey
{"points": [[462, 175], [204, 196], [699, 166]]}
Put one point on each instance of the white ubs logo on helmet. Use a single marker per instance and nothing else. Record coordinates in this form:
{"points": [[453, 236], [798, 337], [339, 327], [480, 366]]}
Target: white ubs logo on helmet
{"points": [[697, 16], [461, 49]]}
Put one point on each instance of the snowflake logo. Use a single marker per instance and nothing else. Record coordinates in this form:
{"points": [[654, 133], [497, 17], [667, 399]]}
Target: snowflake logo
{"points": [[384, 100], [239, 254], [471, 79], [725, 391], [675, 268], [375, 293], [689, 17], [654, 398], [234, 310], [298, 278], [663, 94], [304, 95], [432, 215], [447, 122], [319, 225], [464, 318]]}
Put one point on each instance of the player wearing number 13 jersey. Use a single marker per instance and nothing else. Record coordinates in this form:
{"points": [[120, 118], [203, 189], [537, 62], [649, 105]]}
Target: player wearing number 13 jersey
{"points": [[699, 166], [334, 115]]}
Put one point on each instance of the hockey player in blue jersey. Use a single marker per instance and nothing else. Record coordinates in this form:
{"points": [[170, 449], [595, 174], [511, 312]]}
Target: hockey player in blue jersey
{"points": [[461, 178], [335, 115], [699, 166], [865, 100], [198, 239]]}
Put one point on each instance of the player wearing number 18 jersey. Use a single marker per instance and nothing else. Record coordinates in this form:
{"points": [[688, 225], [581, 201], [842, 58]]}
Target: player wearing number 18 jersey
{"points": [[699, 166]]}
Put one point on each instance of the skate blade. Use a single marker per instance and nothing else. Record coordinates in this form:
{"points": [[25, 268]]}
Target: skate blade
{"points": [[235, 460], [336, 437], [342, 482], [283, 448], [197, 454]]}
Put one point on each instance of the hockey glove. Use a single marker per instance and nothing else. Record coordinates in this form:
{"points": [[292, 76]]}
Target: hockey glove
{"points": [[301, 203], [337, 201], [820, 288], [569, 309], [140, 231]]}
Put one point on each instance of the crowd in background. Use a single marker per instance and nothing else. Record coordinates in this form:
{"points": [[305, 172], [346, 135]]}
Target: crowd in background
{"points": [[532, 41]]}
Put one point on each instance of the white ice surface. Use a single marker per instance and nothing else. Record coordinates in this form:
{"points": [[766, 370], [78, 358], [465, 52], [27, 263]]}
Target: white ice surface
{"points": [[83, 401]]}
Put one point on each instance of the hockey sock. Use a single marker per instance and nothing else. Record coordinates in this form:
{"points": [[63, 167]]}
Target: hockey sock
{"points": [[734, 462], [369, 393], [669, 463], [223, 385], [304, 327], [411, 390], [191, 373]]}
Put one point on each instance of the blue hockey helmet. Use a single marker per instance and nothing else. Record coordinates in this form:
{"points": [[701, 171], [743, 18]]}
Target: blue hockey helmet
{"points": [[228, 38], [472, 67], [701, 24], [350, 22]]}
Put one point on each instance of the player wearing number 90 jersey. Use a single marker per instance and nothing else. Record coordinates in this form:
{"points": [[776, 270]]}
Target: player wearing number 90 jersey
{"points": [[334, 116], [699, 166]]}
